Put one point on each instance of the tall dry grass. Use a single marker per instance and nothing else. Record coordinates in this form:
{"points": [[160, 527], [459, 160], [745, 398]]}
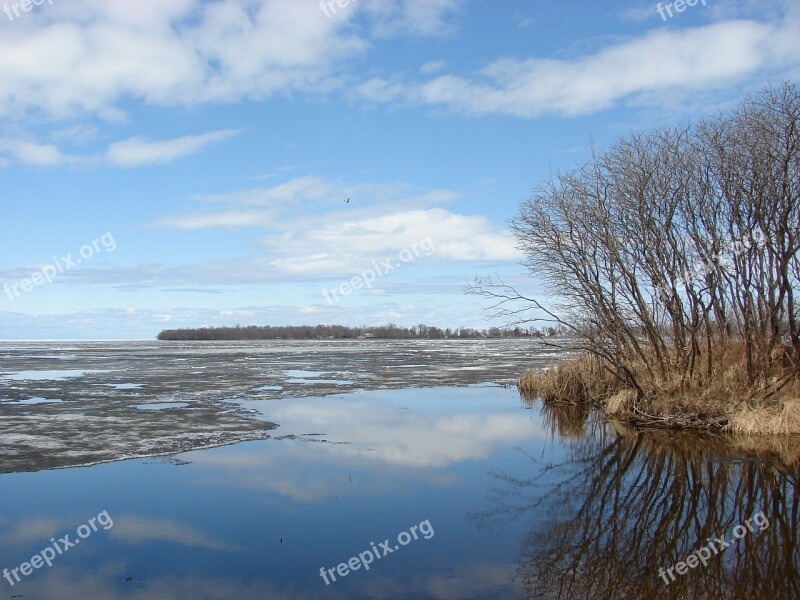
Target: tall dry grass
{"points": [[722, 400]]}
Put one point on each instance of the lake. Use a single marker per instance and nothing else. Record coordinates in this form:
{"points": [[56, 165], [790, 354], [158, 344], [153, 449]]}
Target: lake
{"points": [[365, 469]]}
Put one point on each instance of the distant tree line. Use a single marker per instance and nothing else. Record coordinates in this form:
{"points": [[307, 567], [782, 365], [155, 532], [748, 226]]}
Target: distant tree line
{"points": [[338, 332]]}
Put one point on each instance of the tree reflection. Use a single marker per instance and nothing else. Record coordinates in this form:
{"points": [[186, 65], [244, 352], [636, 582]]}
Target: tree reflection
{"points": [[627, 503]]}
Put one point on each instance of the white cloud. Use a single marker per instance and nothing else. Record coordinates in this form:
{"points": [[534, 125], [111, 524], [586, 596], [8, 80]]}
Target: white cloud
{"points": [[138, 151], [233, 219], [76, 322], [85, 56], [420, 17], [336, 243], [89, 56], [77, 134], [338, 237], [33, 153], [275, 207], [664, 61], [346, 245], [379, 90], [299, 188], [432, 66], [745, 43], [133, 152]]}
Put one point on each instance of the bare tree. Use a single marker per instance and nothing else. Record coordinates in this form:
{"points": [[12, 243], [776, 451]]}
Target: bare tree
{"points": [[673, 255]]}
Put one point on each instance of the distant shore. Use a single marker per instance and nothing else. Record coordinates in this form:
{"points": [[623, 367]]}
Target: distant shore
{"points": [[340, 332]]}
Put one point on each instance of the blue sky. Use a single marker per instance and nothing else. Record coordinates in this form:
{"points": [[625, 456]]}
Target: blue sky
{"points": [[196, 157]]}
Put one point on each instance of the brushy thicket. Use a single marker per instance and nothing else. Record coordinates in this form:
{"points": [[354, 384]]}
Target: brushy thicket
{"points": [[674, 256]]}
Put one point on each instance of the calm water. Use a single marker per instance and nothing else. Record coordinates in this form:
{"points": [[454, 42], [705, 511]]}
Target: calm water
{"points": [[506, 500]]}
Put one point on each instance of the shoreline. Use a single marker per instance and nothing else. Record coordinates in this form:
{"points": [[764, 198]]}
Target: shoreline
{"points": [[721, 404]]}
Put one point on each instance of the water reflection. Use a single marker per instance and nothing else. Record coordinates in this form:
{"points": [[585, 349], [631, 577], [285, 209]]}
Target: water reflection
{"points": [[259, 519], [599, 509], [627, 503]]}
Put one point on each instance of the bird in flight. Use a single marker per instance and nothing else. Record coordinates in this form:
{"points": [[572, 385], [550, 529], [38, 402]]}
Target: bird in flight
{"points": [[347, 201]]}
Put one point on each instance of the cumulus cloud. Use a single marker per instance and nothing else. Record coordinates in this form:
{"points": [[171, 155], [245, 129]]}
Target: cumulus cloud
{"points": [[338, 244], [89, 56], [344, 245], [334, 237]]}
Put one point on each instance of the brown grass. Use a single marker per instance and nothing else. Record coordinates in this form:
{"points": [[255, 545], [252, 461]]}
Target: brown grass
{"points": [[722, 402], [575, 381]]}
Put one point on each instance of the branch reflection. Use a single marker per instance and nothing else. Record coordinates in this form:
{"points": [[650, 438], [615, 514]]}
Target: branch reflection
{"points": [[626, 503]]}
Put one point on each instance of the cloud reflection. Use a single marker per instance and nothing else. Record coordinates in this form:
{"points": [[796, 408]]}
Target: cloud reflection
{"points": [[410, 442], [469, 581], [415, 437], [133, 529]]}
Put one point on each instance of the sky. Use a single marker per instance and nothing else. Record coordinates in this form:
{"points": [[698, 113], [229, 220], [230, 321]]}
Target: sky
{"points": [[187, 163]]}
